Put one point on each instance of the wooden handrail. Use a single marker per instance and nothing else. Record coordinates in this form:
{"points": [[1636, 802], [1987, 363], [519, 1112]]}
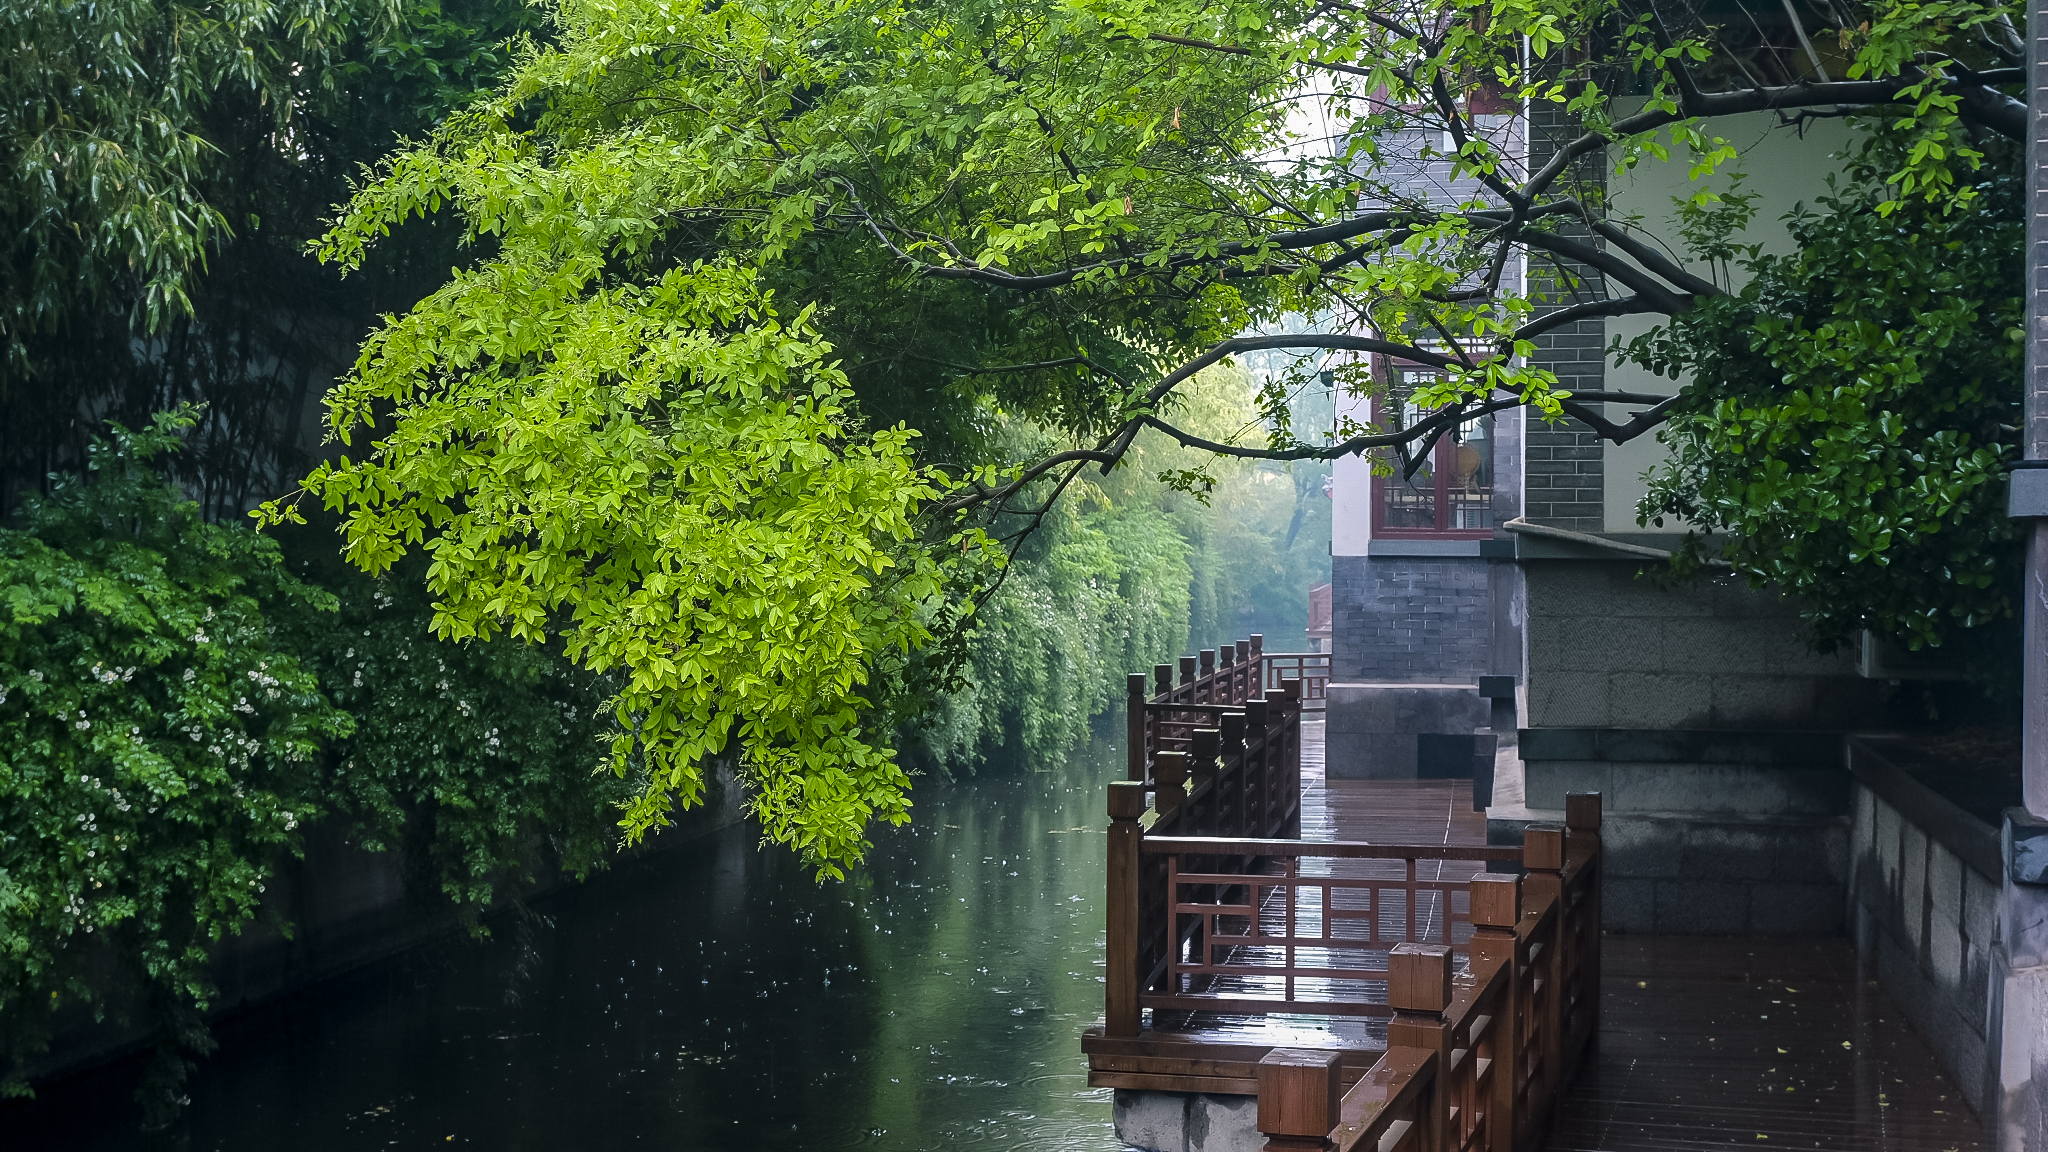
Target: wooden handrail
{"points": [[1388, 1124], [1334, 849], [1477, 1062]]}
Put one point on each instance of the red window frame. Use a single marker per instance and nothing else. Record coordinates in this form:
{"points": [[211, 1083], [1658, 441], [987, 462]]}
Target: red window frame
{"points": [[1441, 468]]}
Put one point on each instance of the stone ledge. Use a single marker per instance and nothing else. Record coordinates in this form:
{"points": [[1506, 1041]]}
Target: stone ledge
{"points": [[1972, 840], [1682, 745]]}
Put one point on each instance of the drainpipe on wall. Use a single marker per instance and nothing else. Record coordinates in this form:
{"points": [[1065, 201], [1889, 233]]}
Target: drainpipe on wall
{"points": [[2020, 1006]]}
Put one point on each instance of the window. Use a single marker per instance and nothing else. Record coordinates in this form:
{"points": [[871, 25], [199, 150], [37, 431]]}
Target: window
{"points": [[1451, 493]]}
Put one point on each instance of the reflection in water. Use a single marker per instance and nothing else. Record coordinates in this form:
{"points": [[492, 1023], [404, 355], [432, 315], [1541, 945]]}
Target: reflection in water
{"points": [[712, 997]]}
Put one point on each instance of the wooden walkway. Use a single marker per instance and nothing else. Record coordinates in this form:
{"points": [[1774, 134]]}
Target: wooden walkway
{"points": [[1381, 812], [1704, 1042], [1759, 1043]]}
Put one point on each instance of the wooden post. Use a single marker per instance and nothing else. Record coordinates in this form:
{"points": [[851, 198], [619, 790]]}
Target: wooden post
{"points": [[1289, 696], [1418, 990], [1170, 776], [1120, 1015], [1496, 909], [1300, 1090], [1543, 857], [1187, 676], [1134, 726], [1162, 679], [1258, 768], [1237, 771], [1205, 693], [1202, 745], [1582, 842]]}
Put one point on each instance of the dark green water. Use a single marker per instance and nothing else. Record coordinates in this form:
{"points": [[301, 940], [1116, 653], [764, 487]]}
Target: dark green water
{"points": [[711, 997]]}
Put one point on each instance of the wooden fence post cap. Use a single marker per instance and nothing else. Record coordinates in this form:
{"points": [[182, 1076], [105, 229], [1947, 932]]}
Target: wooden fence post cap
{"points": [[1126, 799], [1300, 1092], [1232, 730], [1258, 643], [1543, 848], [1496, 900], [1582, 811], [1419, 977], [1228, 653]]}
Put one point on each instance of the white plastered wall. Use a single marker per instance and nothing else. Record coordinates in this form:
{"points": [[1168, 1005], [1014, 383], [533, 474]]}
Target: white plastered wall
{"points": [[1351, 484], [1785, 167]]}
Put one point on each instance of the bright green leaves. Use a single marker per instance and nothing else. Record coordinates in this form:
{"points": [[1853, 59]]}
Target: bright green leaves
{"points": [[662, 472]]}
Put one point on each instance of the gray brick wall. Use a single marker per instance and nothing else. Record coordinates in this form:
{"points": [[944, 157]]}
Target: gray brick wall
{"points": [[1563, 481], [1415, 620]]}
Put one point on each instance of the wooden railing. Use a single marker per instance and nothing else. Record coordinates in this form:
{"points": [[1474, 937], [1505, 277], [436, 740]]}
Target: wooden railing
{"points": [[1476, 1059], [1311, 668], [1298, 934], [1163, 716]]}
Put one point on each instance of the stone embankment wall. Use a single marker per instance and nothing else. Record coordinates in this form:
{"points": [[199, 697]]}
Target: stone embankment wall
{"points": [[1704, 716], [1923, 908]]}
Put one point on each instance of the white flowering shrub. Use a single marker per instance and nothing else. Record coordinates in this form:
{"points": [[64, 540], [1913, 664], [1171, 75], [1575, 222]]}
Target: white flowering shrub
{"points": [[158, 741]]}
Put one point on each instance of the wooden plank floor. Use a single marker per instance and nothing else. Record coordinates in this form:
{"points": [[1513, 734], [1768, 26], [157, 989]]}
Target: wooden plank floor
{"points": [[1758, 1043], [1383, 811]]}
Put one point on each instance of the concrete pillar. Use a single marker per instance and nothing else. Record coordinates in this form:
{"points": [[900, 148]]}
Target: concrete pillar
{"points": [[2022, 1002]]}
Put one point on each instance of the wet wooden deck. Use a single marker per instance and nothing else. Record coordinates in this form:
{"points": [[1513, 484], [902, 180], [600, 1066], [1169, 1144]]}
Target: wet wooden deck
{"points": [[1704, 1043], [1759, 1043]]}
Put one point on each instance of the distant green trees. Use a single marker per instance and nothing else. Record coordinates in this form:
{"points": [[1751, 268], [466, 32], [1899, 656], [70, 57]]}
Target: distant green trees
{"points": [[1126, 573]]}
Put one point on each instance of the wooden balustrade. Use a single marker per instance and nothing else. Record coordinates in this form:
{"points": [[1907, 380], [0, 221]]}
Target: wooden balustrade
{"points": [[1477, 1059], [1163, 715], [1307, 930], [1489, 984], [1312, 669]]}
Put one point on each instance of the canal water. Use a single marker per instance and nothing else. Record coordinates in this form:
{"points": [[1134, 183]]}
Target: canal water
{"points": [[712, 996]]}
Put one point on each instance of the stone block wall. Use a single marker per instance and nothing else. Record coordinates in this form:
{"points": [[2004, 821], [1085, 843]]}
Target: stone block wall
{"points": [[1374, 729], [1186, 1121], [1608, 648], [1412, 619], [1709, 834], [1923, 909]]}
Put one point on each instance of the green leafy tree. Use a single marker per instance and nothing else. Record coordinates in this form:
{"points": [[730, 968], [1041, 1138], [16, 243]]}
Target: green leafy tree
{"points": [[157, 743], [474, 761], [1853, 409], [688, 216]]}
